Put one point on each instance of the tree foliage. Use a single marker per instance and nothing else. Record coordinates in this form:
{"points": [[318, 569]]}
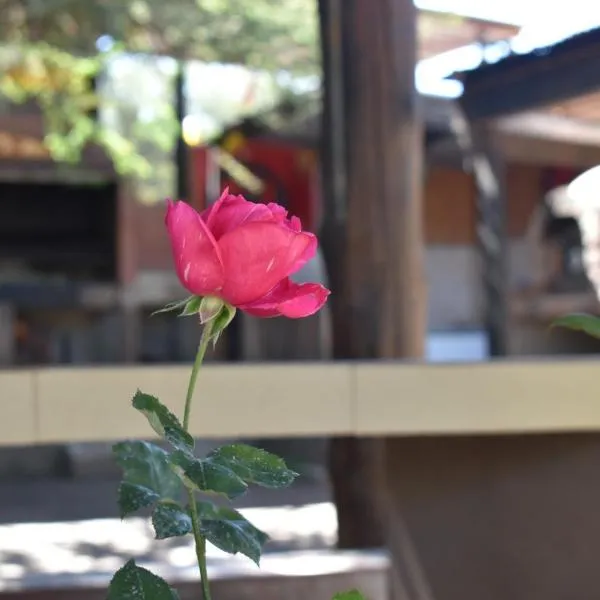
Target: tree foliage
{"points": [[53, 49], [265, 34]]}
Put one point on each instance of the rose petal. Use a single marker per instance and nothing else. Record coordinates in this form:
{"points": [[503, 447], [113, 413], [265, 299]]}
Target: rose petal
{"points": [[195, 252], [281, 216], [308, 254], [289, 299], [257, 256], [205, 214], [229, 212]]}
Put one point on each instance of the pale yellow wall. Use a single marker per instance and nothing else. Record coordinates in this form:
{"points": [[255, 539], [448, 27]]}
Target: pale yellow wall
{"points": [[268, 400]]}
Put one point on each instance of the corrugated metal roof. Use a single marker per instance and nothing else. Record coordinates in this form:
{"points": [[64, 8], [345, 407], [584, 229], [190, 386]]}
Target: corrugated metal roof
{"points": [[583, 108], [579, 42]]}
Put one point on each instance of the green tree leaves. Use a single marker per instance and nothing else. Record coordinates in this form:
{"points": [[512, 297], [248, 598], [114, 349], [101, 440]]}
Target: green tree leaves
{"points": [[259, 33]]}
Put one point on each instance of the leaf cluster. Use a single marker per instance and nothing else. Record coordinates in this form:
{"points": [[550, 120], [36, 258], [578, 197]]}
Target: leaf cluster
{"points": [[155, 479]]}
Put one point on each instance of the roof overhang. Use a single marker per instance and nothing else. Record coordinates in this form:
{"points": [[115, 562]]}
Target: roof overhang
{"points": [[524, 82]]}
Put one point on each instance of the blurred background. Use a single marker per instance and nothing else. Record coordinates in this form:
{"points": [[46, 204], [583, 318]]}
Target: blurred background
{"points": [[444, 151]]}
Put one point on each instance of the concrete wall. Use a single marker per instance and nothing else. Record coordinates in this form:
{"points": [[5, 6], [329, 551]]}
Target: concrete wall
{"points": [[456, 301], [455, 289], [502, 518]]}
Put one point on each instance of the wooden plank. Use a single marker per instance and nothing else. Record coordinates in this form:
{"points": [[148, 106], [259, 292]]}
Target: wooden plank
{"points": [[18, 419], [306, 399], [247, 401], [501, 397], [551, 127]]}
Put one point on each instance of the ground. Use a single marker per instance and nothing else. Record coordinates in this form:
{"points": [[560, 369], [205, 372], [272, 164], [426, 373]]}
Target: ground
{"points": [[78, 535]]}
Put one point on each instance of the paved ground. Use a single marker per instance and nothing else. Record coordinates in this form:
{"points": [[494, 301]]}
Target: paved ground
{"points": [[55, 554], [56, 532]]}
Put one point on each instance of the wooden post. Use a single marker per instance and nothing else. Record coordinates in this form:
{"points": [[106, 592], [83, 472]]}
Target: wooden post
{"points": [[7, 335], [487, 164], [128, 268], [372, 231], [490, 173], [181, 149]]}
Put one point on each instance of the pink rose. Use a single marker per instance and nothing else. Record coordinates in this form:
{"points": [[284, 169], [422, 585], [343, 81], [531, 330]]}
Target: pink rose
{"points": [[244, 253]]}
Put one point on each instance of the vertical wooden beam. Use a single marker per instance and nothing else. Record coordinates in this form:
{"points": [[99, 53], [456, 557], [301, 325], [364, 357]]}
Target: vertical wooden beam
{"points": [[334, 178], [486, 161], [127, 271], [372, 232], [490, 173], [7, 335], [181, 149], [351, 461], [373, 177]]}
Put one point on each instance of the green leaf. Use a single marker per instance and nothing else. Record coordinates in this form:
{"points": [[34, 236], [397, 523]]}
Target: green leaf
{"points": [[351, 595], [254, 465], [580, 322], [131, 582], [221, 322], [192, 306], [229, 531], [147, 468], [207, 476], [132, 498], [173, 306], [163, 421], [170, 520]]}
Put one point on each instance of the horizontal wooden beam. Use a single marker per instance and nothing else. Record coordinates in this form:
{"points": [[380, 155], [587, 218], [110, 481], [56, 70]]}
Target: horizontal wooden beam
{"points": [[532, 138], [302, 399], [521, 147], [550, 127]]}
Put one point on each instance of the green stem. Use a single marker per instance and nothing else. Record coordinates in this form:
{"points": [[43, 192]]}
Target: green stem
{"points": [[202, 346], [200, 543], [199, 540]]}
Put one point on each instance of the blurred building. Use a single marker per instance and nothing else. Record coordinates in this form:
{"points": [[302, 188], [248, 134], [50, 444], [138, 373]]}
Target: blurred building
{"points": [[83, 263], [84, 256], [546, 274]]}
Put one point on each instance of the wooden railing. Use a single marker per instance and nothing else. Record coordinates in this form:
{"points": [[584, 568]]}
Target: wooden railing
{"points": [[283, 400]]}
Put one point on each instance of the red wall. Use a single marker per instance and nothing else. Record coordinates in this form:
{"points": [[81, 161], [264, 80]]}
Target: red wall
{"points": [[294, 168]]}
